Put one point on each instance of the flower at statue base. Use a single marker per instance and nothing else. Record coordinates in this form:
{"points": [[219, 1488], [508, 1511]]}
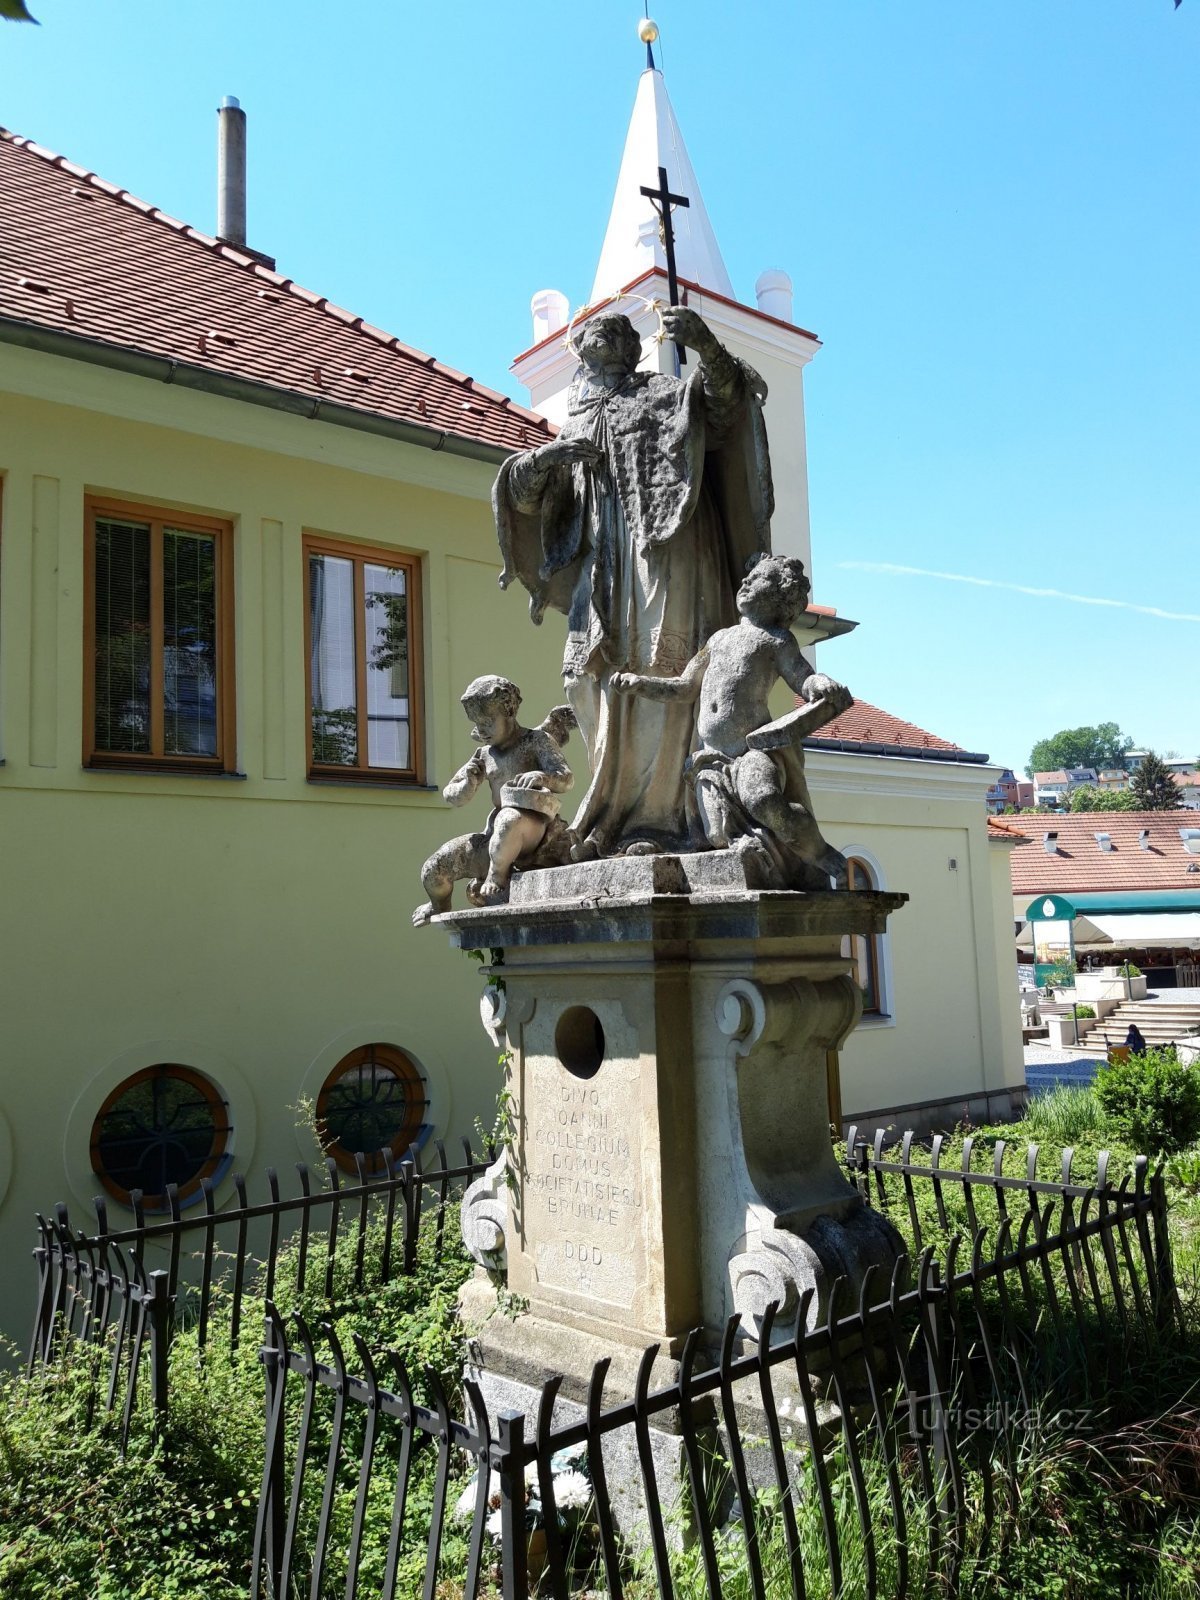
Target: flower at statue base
{"points": [[572, 1493], [573, 1500]]}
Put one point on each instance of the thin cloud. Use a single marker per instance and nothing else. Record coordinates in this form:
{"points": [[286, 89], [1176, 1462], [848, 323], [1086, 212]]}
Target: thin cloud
{"points": [[891, 569]]}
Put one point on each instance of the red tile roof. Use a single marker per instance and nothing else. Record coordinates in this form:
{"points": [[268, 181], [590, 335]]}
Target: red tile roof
{"points": [[82, 257], [1081, 866], [1006, 832], [877, 732], [867, 724]]}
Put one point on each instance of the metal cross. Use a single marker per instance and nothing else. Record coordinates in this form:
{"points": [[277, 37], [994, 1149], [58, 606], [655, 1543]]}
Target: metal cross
{"points": [[663, 201]]}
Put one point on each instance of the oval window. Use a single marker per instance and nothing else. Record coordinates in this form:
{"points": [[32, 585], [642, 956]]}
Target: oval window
{"points": [[373, 1100], [164, 1125]]}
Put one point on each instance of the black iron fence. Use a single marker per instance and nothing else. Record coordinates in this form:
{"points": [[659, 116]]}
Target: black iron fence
{"points": [[869, 1449], [126, 1293]]}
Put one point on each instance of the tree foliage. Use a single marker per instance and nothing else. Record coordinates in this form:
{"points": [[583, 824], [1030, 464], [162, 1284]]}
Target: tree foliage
{"points": [[1101, 746], [1089, 798], [15, 11], [1153, 786]]}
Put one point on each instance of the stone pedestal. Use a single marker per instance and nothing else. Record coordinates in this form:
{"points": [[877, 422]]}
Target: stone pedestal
{"points": [[670, 1030]]}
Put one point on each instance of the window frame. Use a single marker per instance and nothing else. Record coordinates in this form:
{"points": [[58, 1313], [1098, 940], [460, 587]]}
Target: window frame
{"points": [[361, 555], [156, 759], [856, 864], [405, 1068], [214, 1164]]}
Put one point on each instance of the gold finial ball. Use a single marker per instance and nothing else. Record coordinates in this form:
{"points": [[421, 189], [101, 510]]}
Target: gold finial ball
{"points": [[647, 30]]}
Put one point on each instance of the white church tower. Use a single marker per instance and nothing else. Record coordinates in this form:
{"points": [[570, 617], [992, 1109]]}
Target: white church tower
{"points": [[632, 270]]}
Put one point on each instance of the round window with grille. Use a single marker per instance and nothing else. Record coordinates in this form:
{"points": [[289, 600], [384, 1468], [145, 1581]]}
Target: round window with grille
{"points": [[373, 1100], [164, 1125]]}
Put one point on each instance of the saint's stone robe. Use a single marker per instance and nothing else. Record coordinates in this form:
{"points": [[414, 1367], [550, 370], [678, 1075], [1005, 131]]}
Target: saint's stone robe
{"points": [[644, 553]]}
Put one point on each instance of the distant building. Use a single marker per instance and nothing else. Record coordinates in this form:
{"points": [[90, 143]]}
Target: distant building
{"points": [[1133, 881], [1189, 789], [1008, 790], [1053, 788], [1112, 780], [1003, 792]]}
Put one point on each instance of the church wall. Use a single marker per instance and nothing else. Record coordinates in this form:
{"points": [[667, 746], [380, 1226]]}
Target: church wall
{"points": [[950, 1032], [1006, 952], [256, 928], [778, 357]]}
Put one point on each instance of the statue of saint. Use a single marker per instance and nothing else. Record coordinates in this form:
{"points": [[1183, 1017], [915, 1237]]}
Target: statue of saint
{"points": [[637, 522]]}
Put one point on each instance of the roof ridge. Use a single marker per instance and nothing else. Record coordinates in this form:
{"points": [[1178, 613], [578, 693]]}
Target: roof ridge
{"points": [[277, 280]]}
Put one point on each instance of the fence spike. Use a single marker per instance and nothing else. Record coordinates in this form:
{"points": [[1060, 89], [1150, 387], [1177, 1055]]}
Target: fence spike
{"points": [[599, 1477], [846, 1409], [513, 1540], [694, 1457], [366, 1463], [333, 1457], [641, 1430], [482, 1452], [545, 1475], [737, 1457]]}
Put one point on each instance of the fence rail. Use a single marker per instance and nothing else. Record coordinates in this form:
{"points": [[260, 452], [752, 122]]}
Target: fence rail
{"points": [[218, 1265], [852, 1451]]}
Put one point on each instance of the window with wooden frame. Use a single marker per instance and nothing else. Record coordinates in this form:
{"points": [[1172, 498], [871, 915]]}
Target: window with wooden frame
{"points": [[363, 659], [373, 1100], [158, 646], [165, 1126], [864, 948]]}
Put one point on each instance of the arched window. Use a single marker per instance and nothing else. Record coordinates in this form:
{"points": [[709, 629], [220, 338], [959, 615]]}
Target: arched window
{"points": [[864, 948], [164, 1125], [374, 1099]]}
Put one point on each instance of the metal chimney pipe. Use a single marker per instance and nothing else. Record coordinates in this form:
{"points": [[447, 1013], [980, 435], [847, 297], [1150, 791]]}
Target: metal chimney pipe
{"points": [[231, 172]]}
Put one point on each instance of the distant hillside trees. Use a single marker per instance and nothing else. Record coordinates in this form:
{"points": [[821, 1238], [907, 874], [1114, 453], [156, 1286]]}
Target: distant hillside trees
{"points": [[1153, 786], [1102, 746]]}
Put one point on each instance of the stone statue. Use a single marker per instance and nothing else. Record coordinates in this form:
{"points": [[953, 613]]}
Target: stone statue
{"points": [[525, 770], [637, 522], [746, 778]]}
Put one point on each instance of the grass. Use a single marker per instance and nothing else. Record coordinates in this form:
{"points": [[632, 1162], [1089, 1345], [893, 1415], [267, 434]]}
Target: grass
{"points": [[1102, 1506], [1062, 1116]]}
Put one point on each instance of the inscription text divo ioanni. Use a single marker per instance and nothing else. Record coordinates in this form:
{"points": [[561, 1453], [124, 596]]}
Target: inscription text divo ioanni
{"points": [[583, 1193]]}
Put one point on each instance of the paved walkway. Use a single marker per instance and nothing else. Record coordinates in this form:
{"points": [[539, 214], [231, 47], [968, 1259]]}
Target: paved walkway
{"points": [[1046, 1068]]}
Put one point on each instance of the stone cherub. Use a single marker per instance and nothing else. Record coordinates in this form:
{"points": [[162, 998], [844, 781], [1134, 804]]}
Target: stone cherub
{"points": [[746, 777], [526, 773]]}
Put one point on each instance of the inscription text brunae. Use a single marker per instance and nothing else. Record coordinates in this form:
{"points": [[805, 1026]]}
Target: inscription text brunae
{"points": [[583, 1199]]}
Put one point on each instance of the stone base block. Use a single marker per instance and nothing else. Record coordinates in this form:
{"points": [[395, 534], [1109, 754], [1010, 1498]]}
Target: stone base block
{"points": [[511, 1359]]}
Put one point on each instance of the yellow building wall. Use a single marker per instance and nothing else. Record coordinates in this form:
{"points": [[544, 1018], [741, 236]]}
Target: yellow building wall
{"points": [[951, 1029], [255, 928]]}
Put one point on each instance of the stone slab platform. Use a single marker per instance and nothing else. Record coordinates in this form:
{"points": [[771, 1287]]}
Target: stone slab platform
{"points": [[702, 896], [637, 877]]}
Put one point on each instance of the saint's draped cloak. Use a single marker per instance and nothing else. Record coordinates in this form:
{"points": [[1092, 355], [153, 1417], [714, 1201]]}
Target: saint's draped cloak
{"points": [[644, 553]]}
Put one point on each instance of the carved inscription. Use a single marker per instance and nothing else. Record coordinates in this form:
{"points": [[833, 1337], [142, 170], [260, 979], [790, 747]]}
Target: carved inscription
{"points": [[583, 1197]]}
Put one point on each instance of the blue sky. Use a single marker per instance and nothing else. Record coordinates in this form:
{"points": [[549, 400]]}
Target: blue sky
{"points": [[988, 208]]}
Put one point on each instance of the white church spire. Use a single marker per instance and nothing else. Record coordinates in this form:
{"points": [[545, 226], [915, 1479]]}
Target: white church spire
{"points": [[632, 244]]}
